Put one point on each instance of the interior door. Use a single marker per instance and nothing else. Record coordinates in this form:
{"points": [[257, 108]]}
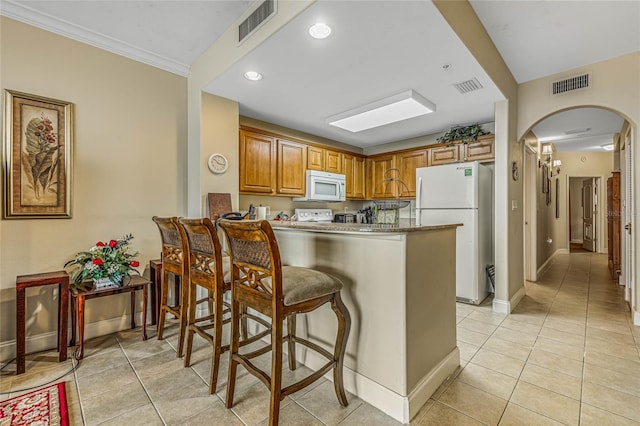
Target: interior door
{"points": [[530, 210], [589, 213], [626, 190]]}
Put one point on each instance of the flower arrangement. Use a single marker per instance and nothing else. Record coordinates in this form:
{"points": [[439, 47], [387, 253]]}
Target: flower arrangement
{"points": [[110, 260]]}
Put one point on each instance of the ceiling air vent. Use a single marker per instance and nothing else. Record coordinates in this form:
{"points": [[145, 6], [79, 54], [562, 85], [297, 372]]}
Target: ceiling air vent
{"points": [[265, 10], [468, 86], [570, 84]]}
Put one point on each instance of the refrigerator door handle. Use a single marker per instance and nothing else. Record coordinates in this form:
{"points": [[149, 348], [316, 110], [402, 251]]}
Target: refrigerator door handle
{"points": [[418, 204]]}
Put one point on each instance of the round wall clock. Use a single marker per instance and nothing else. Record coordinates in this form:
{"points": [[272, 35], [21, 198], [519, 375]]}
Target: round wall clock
{"points": [[218, 163]]}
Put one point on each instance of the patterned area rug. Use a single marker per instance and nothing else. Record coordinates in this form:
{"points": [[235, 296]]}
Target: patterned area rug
{"points": [[41, 407]]}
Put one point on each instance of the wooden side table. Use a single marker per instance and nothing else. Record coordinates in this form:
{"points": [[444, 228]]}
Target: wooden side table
{"points": [[61, 278], [155, 267], [81, 293]]}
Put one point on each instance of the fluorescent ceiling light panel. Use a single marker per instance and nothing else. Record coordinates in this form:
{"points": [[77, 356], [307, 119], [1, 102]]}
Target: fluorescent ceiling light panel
{"points": [[396, 108]]}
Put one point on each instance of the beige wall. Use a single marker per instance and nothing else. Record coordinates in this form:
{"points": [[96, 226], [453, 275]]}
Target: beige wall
{"points": [[215, 60], [584, 164], [129, 157], [574, 165], [616, 87], [508, 245], [219, 135]]}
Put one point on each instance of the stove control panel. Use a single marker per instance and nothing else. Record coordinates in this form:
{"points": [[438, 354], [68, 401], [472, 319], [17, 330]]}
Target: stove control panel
{"points": [[314, 215]]}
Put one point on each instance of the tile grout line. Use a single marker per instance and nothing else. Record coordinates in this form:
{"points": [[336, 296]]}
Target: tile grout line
{"points": [[144, 388]]}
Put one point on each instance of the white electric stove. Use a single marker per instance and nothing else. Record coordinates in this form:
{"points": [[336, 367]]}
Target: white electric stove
{"points": [[314, 215]]}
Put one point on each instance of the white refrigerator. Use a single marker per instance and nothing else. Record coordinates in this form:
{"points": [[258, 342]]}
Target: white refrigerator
{"points": [[461, 193]]}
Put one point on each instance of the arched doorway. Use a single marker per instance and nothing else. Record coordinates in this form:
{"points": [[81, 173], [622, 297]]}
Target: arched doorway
{"points": [[590, 143]]}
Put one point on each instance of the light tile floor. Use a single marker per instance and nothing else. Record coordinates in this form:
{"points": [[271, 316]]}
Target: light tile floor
{"points": [[567, 355]]}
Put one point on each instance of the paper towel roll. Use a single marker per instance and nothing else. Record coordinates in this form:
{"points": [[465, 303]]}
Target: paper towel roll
{"points": [[262, 213]]}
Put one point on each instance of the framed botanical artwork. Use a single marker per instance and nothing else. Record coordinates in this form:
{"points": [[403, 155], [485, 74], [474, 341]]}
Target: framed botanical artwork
{"points": [[37, 157]]}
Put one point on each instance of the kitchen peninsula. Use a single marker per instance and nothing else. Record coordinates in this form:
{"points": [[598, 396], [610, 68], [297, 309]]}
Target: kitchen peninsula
{"points": [[399, 286]]}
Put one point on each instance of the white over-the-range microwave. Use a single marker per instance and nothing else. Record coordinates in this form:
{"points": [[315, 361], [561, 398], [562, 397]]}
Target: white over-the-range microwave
{"points": [[324, 186]]}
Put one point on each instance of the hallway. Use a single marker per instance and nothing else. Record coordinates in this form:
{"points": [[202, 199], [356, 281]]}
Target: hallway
{"points": [[567, 355]]}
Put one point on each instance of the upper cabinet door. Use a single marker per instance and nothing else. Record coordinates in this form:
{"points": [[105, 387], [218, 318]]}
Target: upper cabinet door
{"points": [[315, 158], [257, 163], [292, 164], [333, 161], [407, 163], [444, 155], [378, 170], [359, 180], [480, 150], [353, 168]]}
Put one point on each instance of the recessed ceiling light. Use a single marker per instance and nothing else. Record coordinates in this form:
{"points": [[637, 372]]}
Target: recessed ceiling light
{"points": [[253, 75], [319, 30], [607, 147]]}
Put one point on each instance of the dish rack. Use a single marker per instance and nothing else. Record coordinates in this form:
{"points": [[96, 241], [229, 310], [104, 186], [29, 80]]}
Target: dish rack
{"points": [[387, 212]]}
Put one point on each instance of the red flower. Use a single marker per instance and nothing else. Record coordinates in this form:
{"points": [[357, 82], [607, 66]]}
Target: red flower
{"points": [[135, 263], [99, 244], [97, 261], [113, 243]]}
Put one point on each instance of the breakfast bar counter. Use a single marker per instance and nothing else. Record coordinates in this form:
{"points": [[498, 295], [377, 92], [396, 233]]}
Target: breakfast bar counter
{"points": [[399, 286]]}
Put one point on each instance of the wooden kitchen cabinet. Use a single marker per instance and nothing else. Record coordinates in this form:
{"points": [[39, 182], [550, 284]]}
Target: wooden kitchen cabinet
{"points": [[271, 166], [354, 170], [257, 163], [291, 168], [407, 163], [481, 150], [444, 155], [315, 158], [333, 161], [376, 168]]}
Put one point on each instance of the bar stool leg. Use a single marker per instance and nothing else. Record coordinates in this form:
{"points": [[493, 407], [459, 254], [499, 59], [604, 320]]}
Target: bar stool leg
{"points": [[144, 314]]}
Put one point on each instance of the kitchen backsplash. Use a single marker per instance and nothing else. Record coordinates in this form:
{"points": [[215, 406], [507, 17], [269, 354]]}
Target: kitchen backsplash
{"points": [[286, 205]]}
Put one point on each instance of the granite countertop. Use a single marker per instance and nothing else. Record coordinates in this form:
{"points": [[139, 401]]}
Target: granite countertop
{"points": [[405, 225]]}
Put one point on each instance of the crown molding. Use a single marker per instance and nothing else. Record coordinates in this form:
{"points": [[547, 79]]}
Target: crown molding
{"points": [[23, 13]]}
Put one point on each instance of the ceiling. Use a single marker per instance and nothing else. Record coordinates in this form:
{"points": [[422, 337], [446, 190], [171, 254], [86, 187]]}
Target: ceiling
{"points": [[377, 49]]}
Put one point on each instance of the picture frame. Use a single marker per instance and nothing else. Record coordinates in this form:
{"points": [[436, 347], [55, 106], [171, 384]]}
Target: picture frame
{"points": [[544, 176], [548, 193], [37, 157]]}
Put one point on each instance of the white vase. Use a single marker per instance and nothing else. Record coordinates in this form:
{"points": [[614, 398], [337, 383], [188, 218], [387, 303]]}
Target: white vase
{"points": [[102, 283]]}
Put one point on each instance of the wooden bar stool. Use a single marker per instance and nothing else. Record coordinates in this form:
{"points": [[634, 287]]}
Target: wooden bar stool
{"points": [[259, 281], [172, 263], [205, 268], [61, 278]]}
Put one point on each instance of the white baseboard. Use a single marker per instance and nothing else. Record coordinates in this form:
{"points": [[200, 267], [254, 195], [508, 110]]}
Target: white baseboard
{"points": [[49, 340], [507, 306], [402, 408], [636, 318], [545, 265], [430, 383]]}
